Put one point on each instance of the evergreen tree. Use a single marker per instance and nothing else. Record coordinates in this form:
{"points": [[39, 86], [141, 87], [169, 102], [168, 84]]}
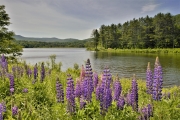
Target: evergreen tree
{"points": [[7, 42]]}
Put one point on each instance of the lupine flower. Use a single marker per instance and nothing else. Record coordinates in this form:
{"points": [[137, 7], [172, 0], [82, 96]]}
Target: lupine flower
{"points": [[78, 91], [158, 81], [35, 71], [106, 100], [120, 103], [146, 112], [149, 79], [95, 79], [42, 72], [99, 91], [150, 111], [88, 88], [128, 98], [11, 78], [60, 91], [14, 110], [25, 90], [134, 94], [11, 90], [82, 102], [29, 72], [70, 95], [2, 109], [106, 94], [4, 63], [107, 77], [117, 89]]}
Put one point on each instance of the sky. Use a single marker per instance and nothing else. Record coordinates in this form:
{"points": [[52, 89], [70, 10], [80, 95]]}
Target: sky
{"points": [[77, 18]]}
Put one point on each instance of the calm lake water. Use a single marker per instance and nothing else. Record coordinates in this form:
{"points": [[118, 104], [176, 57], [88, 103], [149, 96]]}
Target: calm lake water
{"points": [[123, 64]]}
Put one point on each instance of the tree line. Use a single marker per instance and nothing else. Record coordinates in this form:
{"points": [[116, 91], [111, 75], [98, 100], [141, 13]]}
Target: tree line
{"points": [[160, 31], [38, 44]]}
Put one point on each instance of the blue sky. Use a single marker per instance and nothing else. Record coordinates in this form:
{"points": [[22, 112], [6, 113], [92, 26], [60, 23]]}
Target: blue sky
{"points": [[77, 18]]}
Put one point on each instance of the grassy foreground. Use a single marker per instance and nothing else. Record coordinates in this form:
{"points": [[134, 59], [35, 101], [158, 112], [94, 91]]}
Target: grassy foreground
{"points": [[39, 102]]}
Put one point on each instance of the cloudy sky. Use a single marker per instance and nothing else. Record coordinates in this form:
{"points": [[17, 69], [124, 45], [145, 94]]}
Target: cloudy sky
{"points": [[77, 18]]}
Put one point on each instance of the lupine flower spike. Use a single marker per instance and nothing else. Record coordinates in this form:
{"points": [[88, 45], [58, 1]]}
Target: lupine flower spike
{"points": [[88, 88], [78, 89], [42, 72], [134, 94], [106, 94], [70, 95], [14, 110], [120, 103], [149, 79], [158, 81], [59, 91], [117, 89]]}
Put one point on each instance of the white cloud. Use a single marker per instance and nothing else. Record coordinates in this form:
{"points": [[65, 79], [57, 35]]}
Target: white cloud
{"points": [[149, 7]]}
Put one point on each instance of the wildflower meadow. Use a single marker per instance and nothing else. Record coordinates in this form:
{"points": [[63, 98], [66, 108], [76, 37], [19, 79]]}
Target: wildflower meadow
{"points": [[44, 92]]}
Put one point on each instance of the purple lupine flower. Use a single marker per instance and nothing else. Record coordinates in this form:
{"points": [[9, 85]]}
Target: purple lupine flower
{"points": [[95, 79], [78, 91], [35, 71], [134, 94], [150, 110], [158, 81], [42, 72], [4, 63], [146, 112], [25, 90], [106, 94], [82, 102], [29, 72], [106, 100], [2, 109], [120, 103], [11, 90], [11, 78], [117, 89], [14, 110], [149, 79], [107, 77], [60, 92], [99, 91], [128, 98], [88, 88], [70, 95]]}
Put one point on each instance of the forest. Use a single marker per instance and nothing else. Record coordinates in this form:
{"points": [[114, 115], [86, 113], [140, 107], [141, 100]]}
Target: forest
{"points": [[39, 44], [160, 31]]}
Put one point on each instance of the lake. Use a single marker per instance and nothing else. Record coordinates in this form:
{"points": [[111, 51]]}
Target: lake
{"points": [[123, 64]]}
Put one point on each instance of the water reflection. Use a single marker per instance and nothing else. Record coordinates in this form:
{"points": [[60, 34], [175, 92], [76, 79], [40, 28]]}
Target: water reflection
{"points": [[123, 64]]}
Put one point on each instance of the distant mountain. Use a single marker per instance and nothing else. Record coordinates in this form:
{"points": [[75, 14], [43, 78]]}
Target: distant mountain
{"points": [[53, 39]]}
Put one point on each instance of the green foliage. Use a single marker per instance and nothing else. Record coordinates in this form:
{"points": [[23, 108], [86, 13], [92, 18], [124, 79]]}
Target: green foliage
{"points": [[160, 31], [76, 66], [40, 44], [7, 42]]}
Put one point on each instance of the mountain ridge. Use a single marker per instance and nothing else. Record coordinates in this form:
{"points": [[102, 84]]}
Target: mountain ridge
{"points": [[44, 39]]}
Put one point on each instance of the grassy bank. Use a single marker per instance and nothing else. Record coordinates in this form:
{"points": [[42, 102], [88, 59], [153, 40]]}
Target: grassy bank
{"points": [[39, 101], [164, 50]]}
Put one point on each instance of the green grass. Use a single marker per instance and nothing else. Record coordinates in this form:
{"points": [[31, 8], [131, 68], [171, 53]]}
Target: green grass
{"points": [[40, 102], [157, 50]]}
